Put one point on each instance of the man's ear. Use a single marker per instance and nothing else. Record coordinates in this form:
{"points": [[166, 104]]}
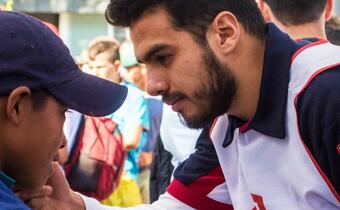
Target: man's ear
{"points": [[329, 9], [224, 32], [15, 103]]}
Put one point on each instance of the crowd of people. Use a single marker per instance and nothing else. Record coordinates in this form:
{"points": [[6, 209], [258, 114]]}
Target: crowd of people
{"points": [[206, 105]]}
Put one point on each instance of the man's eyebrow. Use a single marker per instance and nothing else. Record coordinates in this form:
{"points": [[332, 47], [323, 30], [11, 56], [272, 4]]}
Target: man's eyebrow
{"points": [[154, 50]]}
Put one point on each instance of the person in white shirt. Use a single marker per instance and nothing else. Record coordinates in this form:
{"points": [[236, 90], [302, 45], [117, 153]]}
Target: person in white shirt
{"points": [[177, 139]]}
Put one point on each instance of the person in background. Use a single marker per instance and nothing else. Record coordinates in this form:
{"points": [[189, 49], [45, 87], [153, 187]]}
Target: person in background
{"points": [[155, 107], [177, 139], [138, 77], [161, 171], [101, 60], [39, 83], [333, 30], [299, 18], [133, 121]]}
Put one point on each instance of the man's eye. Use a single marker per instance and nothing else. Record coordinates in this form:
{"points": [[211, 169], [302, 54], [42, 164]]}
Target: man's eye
{"points": [[163, 59]]}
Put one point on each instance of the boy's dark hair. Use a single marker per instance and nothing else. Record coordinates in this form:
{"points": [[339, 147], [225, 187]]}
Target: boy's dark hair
{"points": [[333, 30], [39, 99], [108, 47], [296, 12], [193, 16]]}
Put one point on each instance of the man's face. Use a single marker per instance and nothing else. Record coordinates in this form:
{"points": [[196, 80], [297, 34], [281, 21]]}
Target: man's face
{"points": [[35, 143], [102, 67], [187, 75]]}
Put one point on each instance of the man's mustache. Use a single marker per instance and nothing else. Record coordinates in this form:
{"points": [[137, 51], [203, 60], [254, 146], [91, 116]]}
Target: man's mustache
{"points": [[170, 98]]}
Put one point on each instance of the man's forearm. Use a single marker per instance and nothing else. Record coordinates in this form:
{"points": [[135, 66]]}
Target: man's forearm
{"points": [[165, 202]]}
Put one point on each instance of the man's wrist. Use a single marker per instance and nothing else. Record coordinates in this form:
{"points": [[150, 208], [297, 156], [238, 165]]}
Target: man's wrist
{"points": [[77, 202]]}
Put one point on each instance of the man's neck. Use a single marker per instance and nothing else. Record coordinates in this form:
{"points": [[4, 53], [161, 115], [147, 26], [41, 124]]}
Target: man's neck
{"points": [[248, 73]]}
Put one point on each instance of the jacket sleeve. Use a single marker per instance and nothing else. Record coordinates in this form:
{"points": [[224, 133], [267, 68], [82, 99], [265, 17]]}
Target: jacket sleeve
{"points": [[199, 181], [319, 123], [165, 202]]}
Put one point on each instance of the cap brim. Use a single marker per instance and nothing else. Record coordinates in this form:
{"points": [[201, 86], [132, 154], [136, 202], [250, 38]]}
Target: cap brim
{"points": [[90, 95]]}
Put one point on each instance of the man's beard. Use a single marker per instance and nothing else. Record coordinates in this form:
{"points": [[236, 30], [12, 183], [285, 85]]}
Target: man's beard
{"points": [[215, 91]]}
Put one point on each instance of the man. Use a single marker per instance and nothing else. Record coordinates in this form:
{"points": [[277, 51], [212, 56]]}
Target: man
{"points": [[39, 82], [268, 105], [298, 18], [103, 58]]}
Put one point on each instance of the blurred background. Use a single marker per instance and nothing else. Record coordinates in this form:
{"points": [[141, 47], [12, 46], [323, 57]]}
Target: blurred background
{"points": [[78, 21]]}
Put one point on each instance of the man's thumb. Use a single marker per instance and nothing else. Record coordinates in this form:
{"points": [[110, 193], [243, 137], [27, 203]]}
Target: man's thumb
{"points": [[58, 182]]}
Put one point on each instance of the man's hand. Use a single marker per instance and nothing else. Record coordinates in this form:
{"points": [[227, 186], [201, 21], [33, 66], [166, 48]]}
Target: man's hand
{"points": [[55, 195], [35, 198]]}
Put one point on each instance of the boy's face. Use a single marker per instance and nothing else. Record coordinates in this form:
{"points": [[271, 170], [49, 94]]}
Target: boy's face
{"points": [[34, 143]]}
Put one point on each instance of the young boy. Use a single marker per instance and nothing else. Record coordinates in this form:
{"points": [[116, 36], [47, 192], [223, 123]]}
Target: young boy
{"points": [[39, 82]]}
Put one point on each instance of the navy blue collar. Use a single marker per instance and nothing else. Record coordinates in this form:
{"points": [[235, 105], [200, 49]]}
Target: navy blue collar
{"points": [[269, 118], [270, 114]]}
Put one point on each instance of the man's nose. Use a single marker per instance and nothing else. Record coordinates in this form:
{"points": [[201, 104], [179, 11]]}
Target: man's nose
{"points": [[156, 83]]}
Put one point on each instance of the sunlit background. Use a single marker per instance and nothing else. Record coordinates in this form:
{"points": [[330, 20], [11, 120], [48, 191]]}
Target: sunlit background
{"points": [[78, 21]]}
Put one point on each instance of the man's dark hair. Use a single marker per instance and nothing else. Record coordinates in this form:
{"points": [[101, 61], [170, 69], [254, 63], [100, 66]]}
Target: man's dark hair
{"points": [[333, 30], [104, 46], [296, 12], [193, 16]]}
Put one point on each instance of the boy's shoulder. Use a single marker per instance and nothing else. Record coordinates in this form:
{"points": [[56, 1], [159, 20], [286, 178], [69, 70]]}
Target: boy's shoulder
{"points": [[8, 200]]}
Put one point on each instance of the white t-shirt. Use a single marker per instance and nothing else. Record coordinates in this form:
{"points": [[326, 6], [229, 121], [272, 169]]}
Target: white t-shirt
{"points": [[177, 139]]}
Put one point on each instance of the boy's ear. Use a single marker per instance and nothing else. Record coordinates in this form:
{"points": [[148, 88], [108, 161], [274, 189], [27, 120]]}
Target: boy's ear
{"points": [[15, 103]]}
